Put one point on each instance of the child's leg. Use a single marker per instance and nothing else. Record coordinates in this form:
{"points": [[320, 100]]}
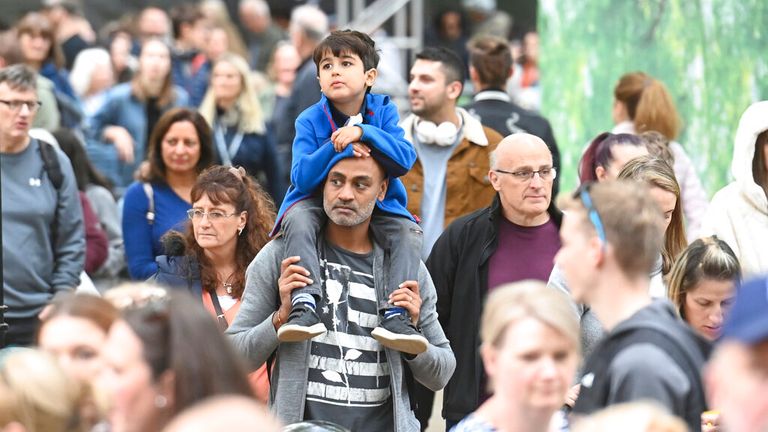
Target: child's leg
{"points": [[300, 227], [403, 238]]}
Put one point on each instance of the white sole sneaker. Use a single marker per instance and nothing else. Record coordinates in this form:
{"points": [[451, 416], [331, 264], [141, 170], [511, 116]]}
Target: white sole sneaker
{"points": [[410, 344], [297, 333]]}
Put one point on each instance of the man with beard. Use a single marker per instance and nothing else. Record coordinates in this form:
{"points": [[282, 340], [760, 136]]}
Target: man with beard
{"points": [[450, 176], [343, 375]]}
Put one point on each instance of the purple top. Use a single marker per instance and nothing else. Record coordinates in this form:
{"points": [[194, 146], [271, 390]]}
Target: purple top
{"points": [[523, 253]]}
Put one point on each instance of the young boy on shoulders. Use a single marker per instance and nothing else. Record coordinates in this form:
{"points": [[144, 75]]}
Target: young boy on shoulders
{"points": [[350, 121]]}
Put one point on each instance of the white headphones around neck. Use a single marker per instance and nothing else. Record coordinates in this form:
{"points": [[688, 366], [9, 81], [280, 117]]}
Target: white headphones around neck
{"points": [[428, 132]]}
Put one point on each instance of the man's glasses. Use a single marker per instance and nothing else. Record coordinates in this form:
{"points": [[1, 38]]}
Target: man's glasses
{"points": [[214, 215], [546, 174], [594, 217], [15, 105]]}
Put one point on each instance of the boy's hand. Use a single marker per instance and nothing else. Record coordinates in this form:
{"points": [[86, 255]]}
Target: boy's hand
{"points": [[361, 150], [345, 136]]}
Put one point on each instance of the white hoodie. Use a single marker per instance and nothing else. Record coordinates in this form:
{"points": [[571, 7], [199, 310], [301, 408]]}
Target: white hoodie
{"points": [[738, 213]]}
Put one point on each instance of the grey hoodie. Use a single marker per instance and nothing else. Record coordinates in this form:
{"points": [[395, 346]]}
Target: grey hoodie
{"points": [[255, 337]]}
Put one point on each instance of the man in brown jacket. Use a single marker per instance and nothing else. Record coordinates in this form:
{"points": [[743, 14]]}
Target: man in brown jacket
{"points": [[450, 176]]}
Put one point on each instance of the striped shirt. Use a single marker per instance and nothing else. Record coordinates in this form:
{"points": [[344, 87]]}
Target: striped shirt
{"points": [[349, 381]]}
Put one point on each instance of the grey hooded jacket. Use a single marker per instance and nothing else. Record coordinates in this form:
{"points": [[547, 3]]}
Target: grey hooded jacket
{"points": [[255, 337]]}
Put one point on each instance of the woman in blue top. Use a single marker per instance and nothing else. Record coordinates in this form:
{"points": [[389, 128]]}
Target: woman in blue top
{"points": [[231, 106], [180, 147]]}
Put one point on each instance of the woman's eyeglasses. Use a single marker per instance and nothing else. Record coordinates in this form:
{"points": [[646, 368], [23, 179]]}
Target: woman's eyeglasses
{"points": [[213, 215]]}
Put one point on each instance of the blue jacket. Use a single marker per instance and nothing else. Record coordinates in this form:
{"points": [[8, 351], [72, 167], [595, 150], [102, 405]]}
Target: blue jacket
{"points": [[179, 272], [122, 108], [257, 154], [313, 153]]}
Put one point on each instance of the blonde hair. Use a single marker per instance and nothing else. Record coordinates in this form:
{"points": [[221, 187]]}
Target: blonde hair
{"points": [[527, 299], [251, 114], [649, 104], [631, 417], [655, 172], [630, 218], [705, 258], [36, 392]]}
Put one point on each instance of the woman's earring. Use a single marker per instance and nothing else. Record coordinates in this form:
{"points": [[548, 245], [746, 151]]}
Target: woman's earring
{"points": [[161, 401], [240, 230]]}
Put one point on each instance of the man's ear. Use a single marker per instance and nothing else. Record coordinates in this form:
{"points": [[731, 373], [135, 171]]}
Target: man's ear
{"points": [[384, 187], [494, 179], [453, 90]]}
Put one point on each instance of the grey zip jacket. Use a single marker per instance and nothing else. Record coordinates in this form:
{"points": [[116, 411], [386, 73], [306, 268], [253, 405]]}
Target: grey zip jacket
{"points": [[255, 337]]}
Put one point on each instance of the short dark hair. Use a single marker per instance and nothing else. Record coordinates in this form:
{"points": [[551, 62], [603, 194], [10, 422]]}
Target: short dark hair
{"points": [[19, 77], [351, 41], [157, 169], [453, 68], [492, 59], [184, 14]]}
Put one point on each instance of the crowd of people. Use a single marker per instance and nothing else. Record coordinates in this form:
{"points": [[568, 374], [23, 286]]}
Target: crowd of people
{"points": [[205, 228]]}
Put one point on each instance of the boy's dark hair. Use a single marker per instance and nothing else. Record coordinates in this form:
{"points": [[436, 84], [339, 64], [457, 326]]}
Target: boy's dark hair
{"points": [[351, 41], [453, 67], [492, 59]]}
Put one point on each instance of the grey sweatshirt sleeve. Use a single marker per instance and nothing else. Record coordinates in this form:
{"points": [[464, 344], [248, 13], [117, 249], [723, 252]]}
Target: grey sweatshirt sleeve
{"points": [[434, 367], [252, 332], [69, 248], [591, 328]]}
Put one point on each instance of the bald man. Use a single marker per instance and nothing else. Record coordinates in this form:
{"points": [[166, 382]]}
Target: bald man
{"points": [[514, 239]]}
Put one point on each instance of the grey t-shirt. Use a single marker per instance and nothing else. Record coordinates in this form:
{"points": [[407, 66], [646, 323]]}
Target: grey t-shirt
{"points": [[434, 161], [349, 379]]}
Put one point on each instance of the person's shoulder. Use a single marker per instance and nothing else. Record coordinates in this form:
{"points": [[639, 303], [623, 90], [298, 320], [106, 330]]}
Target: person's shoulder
{"points": [[494, 138], [135, 191], [377, 99]]}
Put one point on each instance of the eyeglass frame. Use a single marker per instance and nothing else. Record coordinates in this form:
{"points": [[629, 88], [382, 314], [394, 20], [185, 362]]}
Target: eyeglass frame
{"points": [[192, 212], [594, 217], [516, 174], [32, 106]]}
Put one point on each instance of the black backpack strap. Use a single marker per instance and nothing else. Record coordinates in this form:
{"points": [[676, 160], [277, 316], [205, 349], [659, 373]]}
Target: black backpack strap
{"points": [[51, 164]]}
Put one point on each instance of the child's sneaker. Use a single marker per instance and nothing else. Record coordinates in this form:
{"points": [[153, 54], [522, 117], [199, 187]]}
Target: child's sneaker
{"points": [[303, 323], [397, 332]]}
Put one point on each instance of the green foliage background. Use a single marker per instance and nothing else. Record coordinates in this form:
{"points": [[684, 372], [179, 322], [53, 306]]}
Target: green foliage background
{"points": [[710, 54]]}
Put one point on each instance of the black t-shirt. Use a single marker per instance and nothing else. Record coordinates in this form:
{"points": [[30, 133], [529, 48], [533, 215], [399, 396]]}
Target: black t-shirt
{"points": [[349, 378]]}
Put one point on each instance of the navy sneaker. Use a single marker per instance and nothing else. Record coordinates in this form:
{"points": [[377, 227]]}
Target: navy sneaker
{"points": [[303, 323], [397, 332]]}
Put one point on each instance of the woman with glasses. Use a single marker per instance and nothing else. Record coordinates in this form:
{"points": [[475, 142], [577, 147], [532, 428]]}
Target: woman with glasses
{"points": [[230, 220], [738, 213], [179, 149], [530, 350], [231, 106], [162, 356]]}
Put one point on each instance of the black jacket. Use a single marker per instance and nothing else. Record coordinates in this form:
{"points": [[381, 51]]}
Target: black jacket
{"points": [[495, 109], [458, 265]]}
